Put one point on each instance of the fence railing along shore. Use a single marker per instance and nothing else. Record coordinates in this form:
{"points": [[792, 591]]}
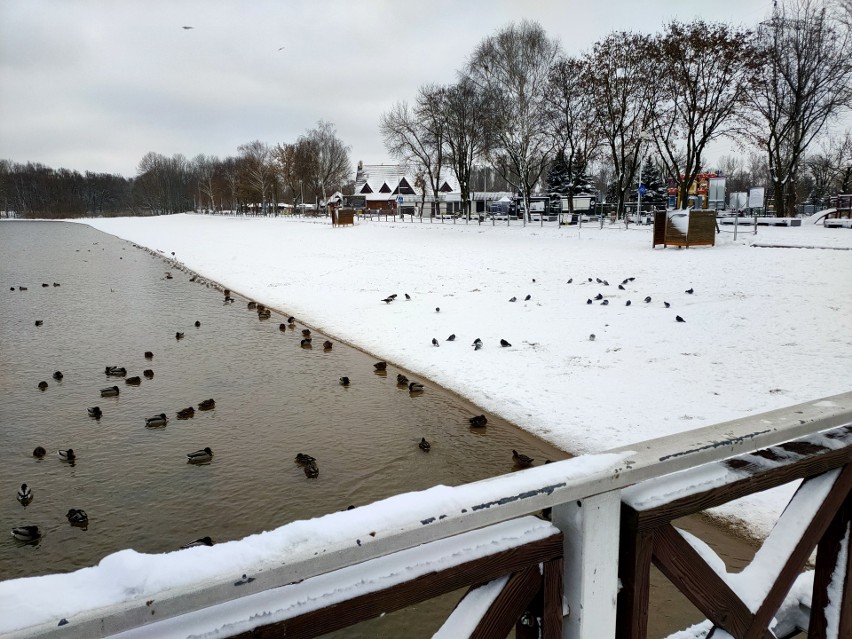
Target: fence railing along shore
{"points": [[584, 573]]}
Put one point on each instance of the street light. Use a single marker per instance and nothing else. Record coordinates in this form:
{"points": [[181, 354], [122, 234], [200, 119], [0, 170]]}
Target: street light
{"points": [[643, 137]]}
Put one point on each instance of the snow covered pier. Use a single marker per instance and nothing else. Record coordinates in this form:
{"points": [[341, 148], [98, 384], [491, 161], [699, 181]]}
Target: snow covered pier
{"points": [[584, 574]]}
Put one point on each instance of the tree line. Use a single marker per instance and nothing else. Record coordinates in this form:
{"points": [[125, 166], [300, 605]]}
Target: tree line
{"points": [[260, 175], [521, 106]]}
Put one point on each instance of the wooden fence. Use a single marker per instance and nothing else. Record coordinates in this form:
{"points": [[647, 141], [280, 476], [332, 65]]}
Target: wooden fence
{"points": [[583, 574]]}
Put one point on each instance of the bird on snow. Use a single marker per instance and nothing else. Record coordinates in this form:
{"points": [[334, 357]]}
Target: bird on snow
{"points": [[415, 387], [393, 297], [690, 291], [533, 280], [679, 318], [521, 460], [437, 309], [388, 300], [666, 304], [451, 338], [344, 381], [570, 279], [504, 343], [599, 296], [621, 288], [590, 279], [514, 299], [527, 298], [477, 344], [203, 541], [435, 342], [589, 301], [628, 303], [648, 299], [605, 283], [187, 27], [407, 296], [598, 280], [592, 337], [605, 302], [424, 445]]}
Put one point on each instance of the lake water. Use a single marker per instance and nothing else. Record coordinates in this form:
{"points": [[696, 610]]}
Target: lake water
{"points": [[273, 399]]}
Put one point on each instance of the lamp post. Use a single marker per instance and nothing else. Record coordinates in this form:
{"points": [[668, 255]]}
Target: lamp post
{"points": [[643, 137]]}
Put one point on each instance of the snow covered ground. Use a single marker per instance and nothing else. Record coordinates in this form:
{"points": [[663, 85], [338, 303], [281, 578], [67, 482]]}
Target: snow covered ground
{"points": [[764, 328]]}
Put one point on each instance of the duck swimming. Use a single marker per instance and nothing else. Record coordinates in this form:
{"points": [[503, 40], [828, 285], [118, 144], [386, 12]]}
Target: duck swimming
{"points": [[415, 387], [311, 471], [39, 452], [179, 335], [203, 541], [424, 445], [521, 460], [25, 494], [26, 533], [58, 375], [115, 371], [133, 381], [303, 460], [207, 404], [344, 381], [95, 411], [67, 455], [327, 345], [156, 420], [380, 366], [401, 379], [149, 355], [77, 517], [148, 373], [186, 413], [306, 342], [306, 332], [111, 391], [42, 385], [39, 322], [478, 421], [200, 456]]}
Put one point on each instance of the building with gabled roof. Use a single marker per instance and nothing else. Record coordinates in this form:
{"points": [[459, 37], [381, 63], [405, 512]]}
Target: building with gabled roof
{"points": [[382, 184]]}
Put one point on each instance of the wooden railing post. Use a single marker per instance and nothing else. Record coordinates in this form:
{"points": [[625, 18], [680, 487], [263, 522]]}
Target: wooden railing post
{"points": [[590, 530]]}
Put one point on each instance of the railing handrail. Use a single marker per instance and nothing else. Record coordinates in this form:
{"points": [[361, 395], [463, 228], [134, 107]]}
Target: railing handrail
{"points": [[442, 511]]}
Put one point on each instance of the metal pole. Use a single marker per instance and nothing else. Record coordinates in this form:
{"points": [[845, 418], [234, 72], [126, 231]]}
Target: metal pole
{"points": [[639, 193]]}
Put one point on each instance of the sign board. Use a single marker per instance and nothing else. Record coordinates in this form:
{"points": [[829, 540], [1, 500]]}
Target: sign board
{"points": [[755, 197], [399, 199], [716, 193], [642, 189], [738, 201]]}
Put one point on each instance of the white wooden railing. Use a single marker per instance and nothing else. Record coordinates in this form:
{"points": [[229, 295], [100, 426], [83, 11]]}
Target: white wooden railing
{"points": [[585, 494]]}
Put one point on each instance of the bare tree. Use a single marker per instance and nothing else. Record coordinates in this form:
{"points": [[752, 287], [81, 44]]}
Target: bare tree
{"points": [[257, 169], [701, 71], [618, 73], [205, 167], [511, 68], [466, 133], [570, 118], [415, 136], [331, 164], [805, 82]]}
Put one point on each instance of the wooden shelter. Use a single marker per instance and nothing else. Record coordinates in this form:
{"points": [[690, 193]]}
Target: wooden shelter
{"points": [[685, 228]]}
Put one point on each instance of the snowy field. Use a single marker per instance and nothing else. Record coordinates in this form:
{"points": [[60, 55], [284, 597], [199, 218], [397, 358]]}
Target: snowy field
{"points": [[764, 328]]}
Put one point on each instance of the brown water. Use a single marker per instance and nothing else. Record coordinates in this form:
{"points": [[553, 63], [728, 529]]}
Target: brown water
{"points": [[273, 400]]}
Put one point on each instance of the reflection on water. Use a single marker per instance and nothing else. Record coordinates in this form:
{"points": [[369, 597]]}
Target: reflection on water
{"points": [[113, 305]]}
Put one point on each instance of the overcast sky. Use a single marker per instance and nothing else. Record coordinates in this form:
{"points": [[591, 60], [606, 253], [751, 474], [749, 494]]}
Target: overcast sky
{"points": [[94, 85]]}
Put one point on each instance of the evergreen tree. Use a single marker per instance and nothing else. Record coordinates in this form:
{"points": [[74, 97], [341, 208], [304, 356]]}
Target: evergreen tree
{"points": [[569, 179], [656, 189]]}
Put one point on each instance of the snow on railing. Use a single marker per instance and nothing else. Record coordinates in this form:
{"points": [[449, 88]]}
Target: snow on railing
{"points": [[129, 590]]}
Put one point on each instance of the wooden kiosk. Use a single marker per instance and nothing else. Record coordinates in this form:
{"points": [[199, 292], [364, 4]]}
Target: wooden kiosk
{"points": [[684, 228]]}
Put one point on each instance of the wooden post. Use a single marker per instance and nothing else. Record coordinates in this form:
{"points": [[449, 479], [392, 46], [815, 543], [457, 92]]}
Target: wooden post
{"points": [[591, 529]]}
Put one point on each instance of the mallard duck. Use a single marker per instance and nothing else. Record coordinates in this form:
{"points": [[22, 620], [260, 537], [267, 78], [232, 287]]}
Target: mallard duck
{"points": [[39, 452], [57, 375], [25, 494], [156, 420], [302, 459], [401, 379], [200, 456], [115, 371], [424, 445], [149, 355], [42, 385], [77, 517], [311, 471], [179, 335], [186, 413], [521, 460], [415, 387], [111, 391], [203, 541], [207, 404], [67, 455], [291, 320], [478, 420], [148, 373], [133, 381], [306, 342], [95, 411], [251, 306], [282, 326], [306, 332], [327, 345], [197, 324], [380, 366], [26, 533]]}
